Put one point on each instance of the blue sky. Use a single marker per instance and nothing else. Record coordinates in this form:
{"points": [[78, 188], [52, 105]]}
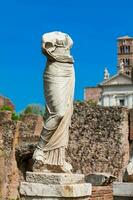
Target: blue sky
{"points": [[93, 25]]}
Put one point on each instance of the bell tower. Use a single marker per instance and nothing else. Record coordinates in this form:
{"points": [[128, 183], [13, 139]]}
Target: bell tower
{"points": [[125, 54]]}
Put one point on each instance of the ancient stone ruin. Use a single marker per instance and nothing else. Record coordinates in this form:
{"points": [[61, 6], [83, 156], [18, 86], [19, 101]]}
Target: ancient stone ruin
{"points": [[98, 142], [80, 152]]}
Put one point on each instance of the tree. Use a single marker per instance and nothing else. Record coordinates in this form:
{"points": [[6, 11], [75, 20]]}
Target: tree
{"points": [[34, 109]]}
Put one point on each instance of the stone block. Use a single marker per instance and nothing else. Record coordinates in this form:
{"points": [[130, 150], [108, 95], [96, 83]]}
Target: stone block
{"points": [[54, 190], [121, 189], [99, 179], [54, 178], [49, 198]]}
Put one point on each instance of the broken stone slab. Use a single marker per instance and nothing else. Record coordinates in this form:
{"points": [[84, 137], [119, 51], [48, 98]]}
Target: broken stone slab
{"points": [[54, 178], [39, 190], [121, 189], [100, 179]]}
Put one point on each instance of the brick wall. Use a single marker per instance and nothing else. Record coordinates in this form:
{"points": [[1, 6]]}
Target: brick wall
{"points": [[92, 93], [5, 101], [1, 101], [9, 174], [98, 143], [102, 193], [2, 167]]}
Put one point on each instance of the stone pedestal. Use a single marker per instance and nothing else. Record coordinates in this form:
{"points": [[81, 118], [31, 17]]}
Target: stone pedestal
{"points": [[53, 186], [123, 191]]}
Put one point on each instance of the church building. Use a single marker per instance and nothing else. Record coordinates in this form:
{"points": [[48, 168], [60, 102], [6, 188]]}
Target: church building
{"points": [[118, 89]]}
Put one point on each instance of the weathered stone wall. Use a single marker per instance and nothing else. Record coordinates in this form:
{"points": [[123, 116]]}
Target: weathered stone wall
{"points": [[99, 139], [33, 122], [8, 170], [98, 143], [13, 134]]}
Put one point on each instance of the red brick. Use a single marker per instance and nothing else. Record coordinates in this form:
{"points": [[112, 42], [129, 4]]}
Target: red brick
{"points": [[92, 93], [6, 102], [102, 193]]}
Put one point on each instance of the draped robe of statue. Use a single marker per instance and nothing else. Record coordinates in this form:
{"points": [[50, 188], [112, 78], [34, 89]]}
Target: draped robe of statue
{"points": [[59, 82]]}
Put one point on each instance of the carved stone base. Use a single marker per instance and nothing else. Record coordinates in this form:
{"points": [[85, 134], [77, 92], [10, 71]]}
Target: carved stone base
{"points": [[52, 186]]}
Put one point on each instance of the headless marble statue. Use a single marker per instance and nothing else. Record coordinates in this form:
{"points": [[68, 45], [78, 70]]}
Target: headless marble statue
{"points": [[59, 80]]}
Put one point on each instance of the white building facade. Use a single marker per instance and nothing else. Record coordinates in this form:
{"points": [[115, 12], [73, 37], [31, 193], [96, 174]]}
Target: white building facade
{"points": [[117, 91]]}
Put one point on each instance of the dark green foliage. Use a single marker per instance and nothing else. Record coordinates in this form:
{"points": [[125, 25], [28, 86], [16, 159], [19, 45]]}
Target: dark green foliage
{"points": [[8, 108], [28, 110], [15, 116]]}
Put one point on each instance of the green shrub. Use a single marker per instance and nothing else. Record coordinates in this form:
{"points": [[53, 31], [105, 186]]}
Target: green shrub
{"points": [[5, 107], [34, 109], [15, 116], [92, 102], [28, 110]]}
